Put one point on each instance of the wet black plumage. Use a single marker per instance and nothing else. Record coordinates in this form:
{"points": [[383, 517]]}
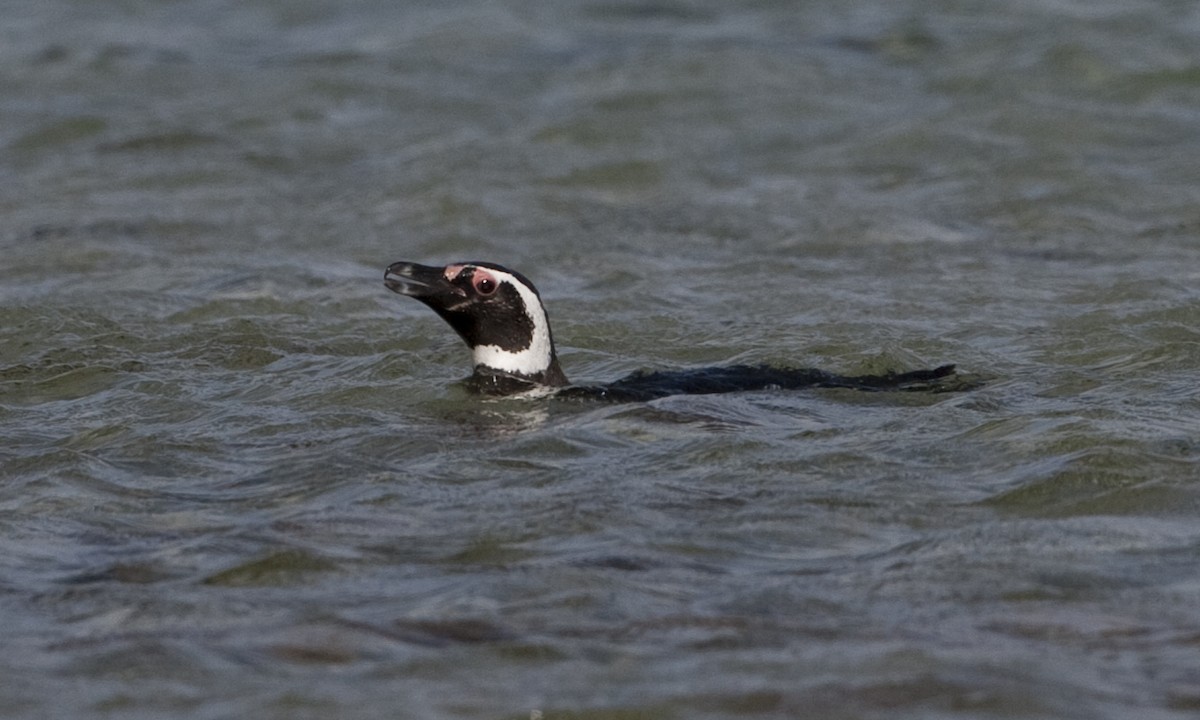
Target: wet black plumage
{"points": [[643, 386]]}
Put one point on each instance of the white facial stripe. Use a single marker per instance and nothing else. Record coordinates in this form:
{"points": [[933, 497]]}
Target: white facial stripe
{"points": [[533, 359]]}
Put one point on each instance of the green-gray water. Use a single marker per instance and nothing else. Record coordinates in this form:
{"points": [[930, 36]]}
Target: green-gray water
{"points": [[238, 478]]}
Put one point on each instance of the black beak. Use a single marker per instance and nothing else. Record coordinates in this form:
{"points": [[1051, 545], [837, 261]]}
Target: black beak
{"points": [[423, 282]]}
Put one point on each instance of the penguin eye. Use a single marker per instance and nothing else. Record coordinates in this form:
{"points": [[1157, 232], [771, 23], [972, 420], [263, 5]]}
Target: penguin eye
{"points": [[485, 286]]}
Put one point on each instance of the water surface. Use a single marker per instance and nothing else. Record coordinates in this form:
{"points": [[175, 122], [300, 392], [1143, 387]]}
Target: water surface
{"points": [[240, 478]]}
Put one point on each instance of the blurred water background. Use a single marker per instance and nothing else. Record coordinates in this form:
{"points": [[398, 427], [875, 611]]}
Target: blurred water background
{"points": [[238, 477]]}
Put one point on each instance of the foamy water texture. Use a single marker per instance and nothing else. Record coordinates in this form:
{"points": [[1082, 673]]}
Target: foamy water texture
{"points": [[241, 478]]}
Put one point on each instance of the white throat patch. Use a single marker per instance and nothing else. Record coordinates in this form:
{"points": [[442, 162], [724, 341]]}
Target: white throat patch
{"points": [[533, 359]]}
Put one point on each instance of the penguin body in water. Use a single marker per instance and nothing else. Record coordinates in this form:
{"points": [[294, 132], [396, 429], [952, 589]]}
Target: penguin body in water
{"points": [[499, 314]]}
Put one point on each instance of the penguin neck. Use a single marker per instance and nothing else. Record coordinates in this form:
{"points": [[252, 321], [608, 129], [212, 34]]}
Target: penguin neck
{"points": [[530, 358], [495, 381]]}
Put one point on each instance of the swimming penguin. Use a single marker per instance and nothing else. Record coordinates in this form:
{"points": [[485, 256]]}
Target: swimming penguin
{"points": [[499, 313]]}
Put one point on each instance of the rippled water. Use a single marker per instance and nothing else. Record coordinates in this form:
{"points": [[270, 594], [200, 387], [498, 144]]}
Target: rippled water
{"points": [[240, 478]]}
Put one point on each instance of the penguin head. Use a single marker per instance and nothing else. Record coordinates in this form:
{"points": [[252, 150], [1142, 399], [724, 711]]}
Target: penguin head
{"points": [[497, 311]]}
